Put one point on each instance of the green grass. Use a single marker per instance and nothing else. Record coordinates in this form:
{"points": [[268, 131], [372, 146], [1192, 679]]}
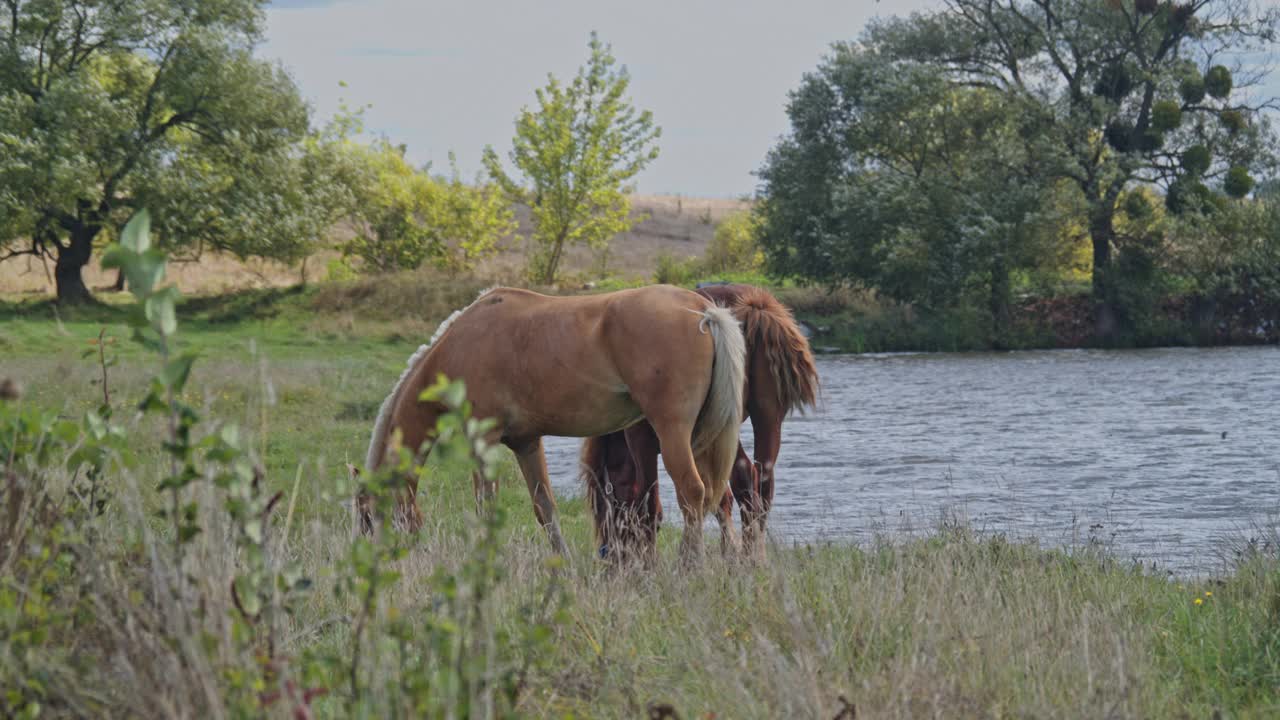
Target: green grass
{"points": [[953, 625]]}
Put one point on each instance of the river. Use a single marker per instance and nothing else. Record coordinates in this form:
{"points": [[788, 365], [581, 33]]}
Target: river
{"points": [[1165, 456]]}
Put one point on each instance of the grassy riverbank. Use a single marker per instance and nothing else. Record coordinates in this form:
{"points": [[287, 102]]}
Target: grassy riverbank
{"points": [[957, 624], [406, 307]]}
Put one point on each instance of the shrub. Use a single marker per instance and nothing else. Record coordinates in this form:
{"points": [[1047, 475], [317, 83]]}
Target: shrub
{"points": [[734, 246], [671, 270], [339, 270], [403, 217]]}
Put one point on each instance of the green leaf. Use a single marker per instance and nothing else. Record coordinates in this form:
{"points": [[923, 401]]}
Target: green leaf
{"points": [[136, 235], [177, 371], [231, 435], [161, 313]]}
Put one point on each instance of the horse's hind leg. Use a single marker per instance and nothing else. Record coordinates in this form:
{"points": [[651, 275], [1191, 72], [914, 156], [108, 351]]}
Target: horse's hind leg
{"points": [[677, 456], [533, 465], [642, 443]]}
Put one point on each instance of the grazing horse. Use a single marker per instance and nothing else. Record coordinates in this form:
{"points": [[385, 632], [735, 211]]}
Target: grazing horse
{"points": [[568, 366], [621, 469]]}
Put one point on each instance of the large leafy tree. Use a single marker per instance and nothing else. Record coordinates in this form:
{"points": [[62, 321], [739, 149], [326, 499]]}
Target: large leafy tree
{"points": [[1110, 95], [578, 152], [898, 180], [106, 107]]}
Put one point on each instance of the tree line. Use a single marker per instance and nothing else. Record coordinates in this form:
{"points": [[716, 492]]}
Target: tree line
{"points": [[108, 108], [945, 158]]}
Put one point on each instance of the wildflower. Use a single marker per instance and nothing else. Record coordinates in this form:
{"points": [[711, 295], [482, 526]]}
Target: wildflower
{"points": [[1208, 593], [1199, 601]]}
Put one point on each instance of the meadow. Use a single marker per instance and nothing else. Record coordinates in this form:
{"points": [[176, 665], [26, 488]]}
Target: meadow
{"points": [[110, 616]]}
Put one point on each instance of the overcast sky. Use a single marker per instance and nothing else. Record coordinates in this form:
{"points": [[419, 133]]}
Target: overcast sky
{"points": [[453, 75], [444, 76]]}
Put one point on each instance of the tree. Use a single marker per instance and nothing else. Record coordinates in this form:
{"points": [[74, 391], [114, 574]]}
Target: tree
{"points": [[403, 217], [577, 151], [897, 180], [1133, 93], [1110, 95], [109, 107]]}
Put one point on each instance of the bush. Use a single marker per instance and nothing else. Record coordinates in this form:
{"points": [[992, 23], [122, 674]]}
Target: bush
{"points": [[671, 270], [339, 270], [403, 217], [734, 247]]}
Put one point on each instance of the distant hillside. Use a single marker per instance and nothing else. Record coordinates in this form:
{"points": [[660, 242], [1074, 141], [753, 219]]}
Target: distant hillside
{"points": [[677, 225]]}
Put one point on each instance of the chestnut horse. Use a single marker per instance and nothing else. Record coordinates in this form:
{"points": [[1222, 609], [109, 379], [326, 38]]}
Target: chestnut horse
{"points": [[621, 469], [542, 365]]}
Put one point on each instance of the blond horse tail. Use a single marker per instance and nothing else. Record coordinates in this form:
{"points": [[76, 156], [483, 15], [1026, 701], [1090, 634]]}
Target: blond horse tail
{"points": [[715, 436]]}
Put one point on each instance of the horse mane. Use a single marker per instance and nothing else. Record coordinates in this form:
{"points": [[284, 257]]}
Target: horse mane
{"points": [[378, 440], [773, 335]]}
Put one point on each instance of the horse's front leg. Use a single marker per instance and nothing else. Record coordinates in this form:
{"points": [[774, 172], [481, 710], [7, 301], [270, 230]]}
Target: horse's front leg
{"points": [[766, 425], [533, 465]]}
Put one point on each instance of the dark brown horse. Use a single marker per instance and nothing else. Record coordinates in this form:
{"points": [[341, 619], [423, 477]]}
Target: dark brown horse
{"points": [[621, 469], [568, 366]]}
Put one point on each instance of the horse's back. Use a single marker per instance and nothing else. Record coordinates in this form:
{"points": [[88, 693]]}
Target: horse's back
{"points": [[565, 365]]}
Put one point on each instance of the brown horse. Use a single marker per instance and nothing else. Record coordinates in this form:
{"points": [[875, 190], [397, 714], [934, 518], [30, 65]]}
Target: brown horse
{"points": [[621, 469], [543, 365]]}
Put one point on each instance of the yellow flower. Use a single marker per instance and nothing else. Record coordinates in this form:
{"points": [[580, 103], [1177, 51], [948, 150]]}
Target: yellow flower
{"points": [[1208, 593], [1199, 601]]}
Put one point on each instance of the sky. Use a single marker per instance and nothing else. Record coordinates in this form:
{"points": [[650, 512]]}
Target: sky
{"points": [[444, 76]]}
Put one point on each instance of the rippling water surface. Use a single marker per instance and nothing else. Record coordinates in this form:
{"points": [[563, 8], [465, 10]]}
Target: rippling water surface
{"points": [[1163, 454]]}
